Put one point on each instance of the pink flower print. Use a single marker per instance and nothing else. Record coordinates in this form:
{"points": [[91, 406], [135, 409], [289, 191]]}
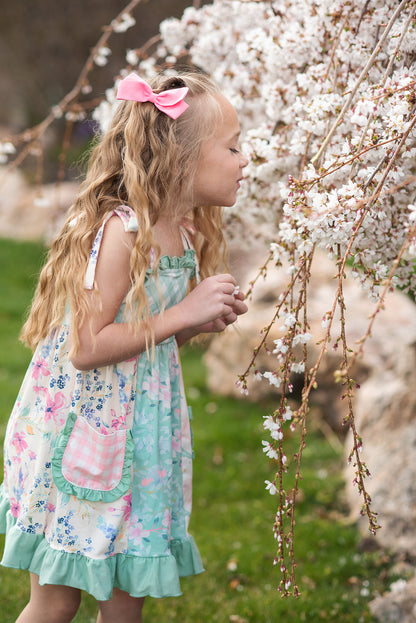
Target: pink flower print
{"points": [[50, 508], [166, 518], [136, 530], [165, 395], [152, 384], [127, 498], [117, 422], [19, 442], [53, 407], [39, 367], [14, 507], [126, 508], [161, 473], [40, 390], [173, 364]]}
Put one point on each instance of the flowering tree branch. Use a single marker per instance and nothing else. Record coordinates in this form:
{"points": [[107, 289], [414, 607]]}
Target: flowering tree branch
{"points": [[403, 4], [326, 96], [29, 141]]}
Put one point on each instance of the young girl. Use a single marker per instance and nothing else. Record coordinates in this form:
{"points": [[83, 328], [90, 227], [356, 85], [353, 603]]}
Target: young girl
{"points": [[98, 455]]}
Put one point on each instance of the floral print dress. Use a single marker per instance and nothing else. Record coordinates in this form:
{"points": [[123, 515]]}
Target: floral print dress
{"points": [[98, 464]]}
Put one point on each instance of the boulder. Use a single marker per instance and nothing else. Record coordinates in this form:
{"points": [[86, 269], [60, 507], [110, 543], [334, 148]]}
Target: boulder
{"points": [[29, 213], [398, 605], [385, 414]]}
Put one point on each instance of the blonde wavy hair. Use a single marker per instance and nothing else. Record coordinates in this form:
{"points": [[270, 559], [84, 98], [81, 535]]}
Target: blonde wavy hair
{"points": [[146, 160]]}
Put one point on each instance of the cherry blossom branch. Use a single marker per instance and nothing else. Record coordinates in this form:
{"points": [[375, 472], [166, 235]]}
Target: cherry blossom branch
{"points": [[31, 136], [360, 79], [343, 375]]}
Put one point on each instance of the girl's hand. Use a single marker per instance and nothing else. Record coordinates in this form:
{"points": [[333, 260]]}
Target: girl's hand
{"points": [[224, 303], [218, 325], [210, 300]]}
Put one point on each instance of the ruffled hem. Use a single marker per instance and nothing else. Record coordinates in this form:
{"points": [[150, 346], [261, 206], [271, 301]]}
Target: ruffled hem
{"points": [[156, 576]]}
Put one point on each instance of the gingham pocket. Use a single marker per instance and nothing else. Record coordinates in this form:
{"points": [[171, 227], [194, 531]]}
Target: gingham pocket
{"points": [[91, 465]]}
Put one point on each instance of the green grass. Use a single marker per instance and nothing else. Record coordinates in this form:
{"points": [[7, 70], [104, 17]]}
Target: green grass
{"points": [[232, 514]]}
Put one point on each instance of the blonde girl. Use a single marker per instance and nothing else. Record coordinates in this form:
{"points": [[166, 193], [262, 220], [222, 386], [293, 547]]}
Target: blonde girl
{"points": [[98, 454]]}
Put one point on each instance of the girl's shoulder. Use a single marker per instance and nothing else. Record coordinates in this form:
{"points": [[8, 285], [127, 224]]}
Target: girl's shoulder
{"points": [[124, 212], [127, 216], [120, 234]]}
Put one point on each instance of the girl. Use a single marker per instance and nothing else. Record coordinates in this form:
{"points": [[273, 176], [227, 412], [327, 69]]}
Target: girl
{"points": [[97, 486]]}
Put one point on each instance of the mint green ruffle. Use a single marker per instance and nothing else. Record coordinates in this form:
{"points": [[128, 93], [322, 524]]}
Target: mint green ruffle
{"points": [[156, 576], [83, 493], [187, 260]]}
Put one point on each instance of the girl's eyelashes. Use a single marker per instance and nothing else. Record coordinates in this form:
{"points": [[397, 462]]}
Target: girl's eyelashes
{"points": [[234, 150]]}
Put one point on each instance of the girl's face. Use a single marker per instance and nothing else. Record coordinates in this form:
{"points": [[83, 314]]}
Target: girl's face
{"points": [[220, 166]]}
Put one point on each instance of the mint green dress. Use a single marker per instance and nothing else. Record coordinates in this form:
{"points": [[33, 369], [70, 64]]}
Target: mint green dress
{"points": [[98, 465]]}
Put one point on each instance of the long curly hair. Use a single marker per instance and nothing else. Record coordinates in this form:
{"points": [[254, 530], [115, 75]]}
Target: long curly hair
{"points": [[146, 160]]}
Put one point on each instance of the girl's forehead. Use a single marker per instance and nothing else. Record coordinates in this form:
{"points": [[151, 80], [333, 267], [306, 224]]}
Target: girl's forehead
{"points": [[228, 123]]}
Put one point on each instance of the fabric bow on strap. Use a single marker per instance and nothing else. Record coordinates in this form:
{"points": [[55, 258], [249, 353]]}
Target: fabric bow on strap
{"points": [[134, 88]]}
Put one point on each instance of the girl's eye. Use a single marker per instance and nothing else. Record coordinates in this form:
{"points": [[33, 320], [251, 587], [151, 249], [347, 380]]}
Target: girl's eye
{"points": [[234, 151]]}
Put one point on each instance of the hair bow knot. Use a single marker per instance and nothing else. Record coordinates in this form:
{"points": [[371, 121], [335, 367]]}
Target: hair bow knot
{"points": [[171, 102]]}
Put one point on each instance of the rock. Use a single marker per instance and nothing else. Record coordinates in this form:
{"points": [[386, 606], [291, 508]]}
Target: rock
{"points": [[385, 414], [29, 214], [398, 605]]}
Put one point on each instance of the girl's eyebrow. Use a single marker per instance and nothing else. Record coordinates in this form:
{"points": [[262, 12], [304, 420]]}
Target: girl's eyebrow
{"points": [[236, 135]]}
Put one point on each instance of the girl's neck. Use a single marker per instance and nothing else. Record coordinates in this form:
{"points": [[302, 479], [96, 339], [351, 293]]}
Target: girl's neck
{"points": [[168, 236]]}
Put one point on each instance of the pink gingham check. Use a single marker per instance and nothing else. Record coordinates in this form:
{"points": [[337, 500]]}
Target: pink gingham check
{"points": [[92, 460]]}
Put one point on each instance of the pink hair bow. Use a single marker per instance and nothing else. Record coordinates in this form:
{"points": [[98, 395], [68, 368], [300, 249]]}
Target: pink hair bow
{"points": [[134, 88]]}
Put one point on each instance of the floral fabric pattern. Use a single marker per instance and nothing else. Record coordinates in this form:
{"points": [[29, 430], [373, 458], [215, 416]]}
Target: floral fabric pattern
{"points": [[139, 541]]}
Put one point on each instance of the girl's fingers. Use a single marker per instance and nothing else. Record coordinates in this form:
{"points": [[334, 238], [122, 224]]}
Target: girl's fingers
{"points": [[230, 318], [240, 307]]}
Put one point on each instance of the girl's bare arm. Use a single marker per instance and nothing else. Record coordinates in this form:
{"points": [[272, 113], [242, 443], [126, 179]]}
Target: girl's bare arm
{"points": [[103, 341]]}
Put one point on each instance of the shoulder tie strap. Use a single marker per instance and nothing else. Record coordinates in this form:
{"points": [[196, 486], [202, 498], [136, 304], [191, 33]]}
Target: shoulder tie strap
{"points": [[130, 224], [185, 227]]}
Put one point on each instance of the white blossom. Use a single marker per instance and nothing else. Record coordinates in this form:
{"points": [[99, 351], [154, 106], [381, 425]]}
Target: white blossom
{"points": [[272, 378], [290, 320], [6, 149], [101, 57], [270, 487], [301, 338], [269, 450], [297, 368], [125, 22], [132, 57], [274, 428], [287, 414], [280, 347]]}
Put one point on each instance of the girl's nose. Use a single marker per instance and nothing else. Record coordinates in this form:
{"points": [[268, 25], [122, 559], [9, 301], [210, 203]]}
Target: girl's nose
{"points": [[243, 160]]}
